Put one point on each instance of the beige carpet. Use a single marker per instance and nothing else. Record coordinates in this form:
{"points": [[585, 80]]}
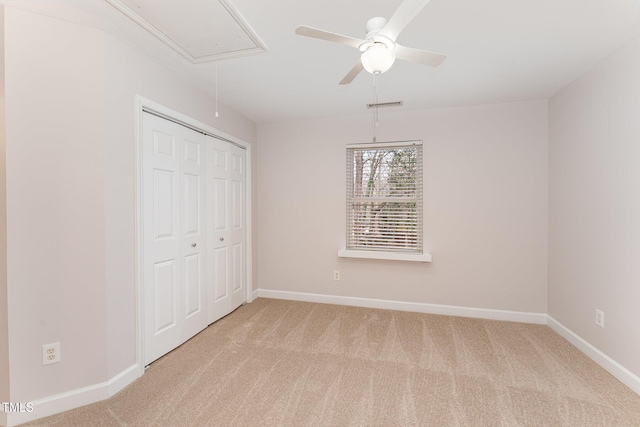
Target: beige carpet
{"points": [[283, 363]]}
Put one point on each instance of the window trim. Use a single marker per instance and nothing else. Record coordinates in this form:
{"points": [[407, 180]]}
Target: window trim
{"points": [[381, 254], [390, 256]]}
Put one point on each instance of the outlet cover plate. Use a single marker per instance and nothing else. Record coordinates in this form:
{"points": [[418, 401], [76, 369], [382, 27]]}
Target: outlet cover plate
{"points": [[600, 318], [50, 353]]}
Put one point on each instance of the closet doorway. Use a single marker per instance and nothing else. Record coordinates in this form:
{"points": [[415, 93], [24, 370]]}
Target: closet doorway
{"points": [[193, 233]]}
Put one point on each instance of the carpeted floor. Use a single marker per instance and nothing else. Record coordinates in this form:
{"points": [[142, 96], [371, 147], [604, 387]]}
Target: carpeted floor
{"points": [[284, 363]]}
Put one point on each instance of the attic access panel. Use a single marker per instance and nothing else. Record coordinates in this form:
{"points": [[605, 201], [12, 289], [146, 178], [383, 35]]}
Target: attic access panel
{"points": [[199, 30]]}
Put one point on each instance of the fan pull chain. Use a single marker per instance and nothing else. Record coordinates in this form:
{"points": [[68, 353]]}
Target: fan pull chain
{"points": [[375, 105], [217, 89], [375, 91]]}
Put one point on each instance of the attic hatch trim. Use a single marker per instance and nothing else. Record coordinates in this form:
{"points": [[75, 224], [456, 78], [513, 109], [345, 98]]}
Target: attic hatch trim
{"points": [[233, 13]]}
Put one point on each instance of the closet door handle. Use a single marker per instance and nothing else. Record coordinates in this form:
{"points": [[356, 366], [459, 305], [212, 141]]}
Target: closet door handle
{"points": [[222, 239], [193, 245]]}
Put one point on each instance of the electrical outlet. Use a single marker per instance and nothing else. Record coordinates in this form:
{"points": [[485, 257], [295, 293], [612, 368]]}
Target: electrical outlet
{"points": [[599, 318], [336, 275], [51, 353]]}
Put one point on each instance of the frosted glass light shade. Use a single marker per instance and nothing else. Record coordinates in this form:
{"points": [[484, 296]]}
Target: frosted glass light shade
{"points": [[377, 59]]}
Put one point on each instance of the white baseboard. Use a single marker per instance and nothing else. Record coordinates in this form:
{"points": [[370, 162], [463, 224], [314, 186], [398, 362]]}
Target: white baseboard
{"points": [[75, 398], [254, 295], [449, 310], [625, 376], [123, 379]]}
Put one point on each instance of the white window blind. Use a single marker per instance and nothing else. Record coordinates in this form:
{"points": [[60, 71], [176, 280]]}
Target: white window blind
{"points": [[384, 197]]}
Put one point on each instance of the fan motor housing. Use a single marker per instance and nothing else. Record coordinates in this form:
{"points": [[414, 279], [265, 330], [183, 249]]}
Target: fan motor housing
{"points": [[374, 25]]}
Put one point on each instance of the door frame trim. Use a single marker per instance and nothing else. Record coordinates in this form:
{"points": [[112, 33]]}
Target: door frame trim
{"points": [[141, 104]]}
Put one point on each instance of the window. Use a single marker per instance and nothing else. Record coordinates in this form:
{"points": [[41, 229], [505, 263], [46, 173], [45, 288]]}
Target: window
{"points": [[384, 201]]}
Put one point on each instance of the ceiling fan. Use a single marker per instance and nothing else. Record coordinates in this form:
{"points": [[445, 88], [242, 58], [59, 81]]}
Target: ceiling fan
{"points": [[379, 48]]}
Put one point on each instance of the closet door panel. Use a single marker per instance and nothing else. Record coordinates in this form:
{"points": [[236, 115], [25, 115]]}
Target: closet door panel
{"points": [[174, 235]]}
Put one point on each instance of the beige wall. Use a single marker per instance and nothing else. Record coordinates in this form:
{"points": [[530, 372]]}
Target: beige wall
{"points": [[55, 206], [594, 206], [485, 177], [4, 317], [71, 196]]}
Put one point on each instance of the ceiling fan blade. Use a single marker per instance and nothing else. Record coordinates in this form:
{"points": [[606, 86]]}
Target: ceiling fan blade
{"points": [[326, 35], [407, 10], [352, 74], [419, 56]]}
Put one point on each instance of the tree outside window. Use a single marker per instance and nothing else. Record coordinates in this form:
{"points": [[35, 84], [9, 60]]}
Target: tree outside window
{"points": [[384, 197]]}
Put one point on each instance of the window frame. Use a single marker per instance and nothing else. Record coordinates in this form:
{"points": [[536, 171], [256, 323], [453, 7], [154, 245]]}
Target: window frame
{"points": [[418, 254]]}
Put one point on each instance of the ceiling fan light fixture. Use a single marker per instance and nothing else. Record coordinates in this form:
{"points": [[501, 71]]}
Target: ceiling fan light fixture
{"points": [[378, 48], [377, 59]]}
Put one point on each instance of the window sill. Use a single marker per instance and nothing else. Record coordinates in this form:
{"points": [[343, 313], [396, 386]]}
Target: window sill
{"points": [[390, 256]]}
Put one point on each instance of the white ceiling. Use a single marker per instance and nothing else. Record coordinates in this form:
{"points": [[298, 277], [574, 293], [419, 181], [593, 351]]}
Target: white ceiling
{"points": [[498, 51]]}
